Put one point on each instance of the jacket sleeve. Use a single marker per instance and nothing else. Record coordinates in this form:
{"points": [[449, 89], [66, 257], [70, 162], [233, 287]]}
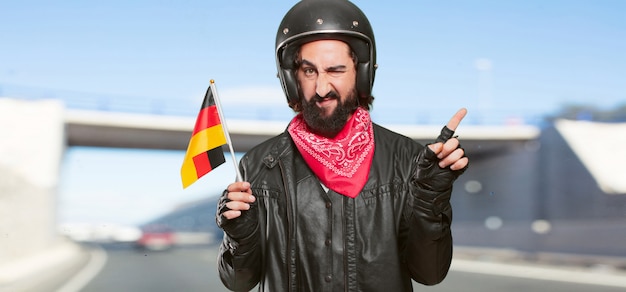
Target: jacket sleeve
{"points": [[239, 263], [239, 255], [429, 245], [429, 239]]}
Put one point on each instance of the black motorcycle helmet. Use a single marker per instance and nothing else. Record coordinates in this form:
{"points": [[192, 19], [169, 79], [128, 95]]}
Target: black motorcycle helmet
{"points": [[311, 20]]}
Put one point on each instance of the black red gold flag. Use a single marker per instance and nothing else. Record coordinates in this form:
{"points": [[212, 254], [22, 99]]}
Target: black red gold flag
{"points": [[204, 152]]}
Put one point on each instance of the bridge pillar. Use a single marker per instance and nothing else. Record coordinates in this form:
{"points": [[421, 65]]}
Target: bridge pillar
{"points": [[32, 143]]}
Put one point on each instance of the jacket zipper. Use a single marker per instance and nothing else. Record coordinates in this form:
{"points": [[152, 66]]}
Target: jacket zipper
{"points": [[289, 223]]}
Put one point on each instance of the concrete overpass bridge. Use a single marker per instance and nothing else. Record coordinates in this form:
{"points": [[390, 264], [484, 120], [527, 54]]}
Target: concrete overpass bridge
{"points": [[109, 129], [34, 135]]}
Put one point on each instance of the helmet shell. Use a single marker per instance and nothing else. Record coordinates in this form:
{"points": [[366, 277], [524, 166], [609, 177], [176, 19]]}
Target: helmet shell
{"points": [[311, 20]]}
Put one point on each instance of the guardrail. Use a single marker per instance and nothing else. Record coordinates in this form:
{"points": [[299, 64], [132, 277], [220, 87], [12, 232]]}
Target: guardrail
{"points": [[382, 113]]}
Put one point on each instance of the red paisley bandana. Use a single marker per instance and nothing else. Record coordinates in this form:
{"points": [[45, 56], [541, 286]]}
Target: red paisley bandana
{"points": [[341, 163]]}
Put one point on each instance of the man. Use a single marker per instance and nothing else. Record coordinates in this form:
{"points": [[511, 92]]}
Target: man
{"points": [[336, 202]]}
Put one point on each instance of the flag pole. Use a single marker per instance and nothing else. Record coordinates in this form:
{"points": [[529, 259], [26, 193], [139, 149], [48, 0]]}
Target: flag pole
{"points": [[225, 128]]}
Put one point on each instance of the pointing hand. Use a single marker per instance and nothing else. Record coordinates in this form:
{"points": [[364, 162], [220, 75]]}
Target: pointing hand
{"points": [[440, 163], [447, 147]]}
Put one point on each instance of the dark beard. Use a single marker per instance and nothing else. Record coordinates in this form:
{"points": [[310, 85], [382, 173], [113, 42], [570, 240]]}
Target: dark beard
{"points": [[328, 126]]}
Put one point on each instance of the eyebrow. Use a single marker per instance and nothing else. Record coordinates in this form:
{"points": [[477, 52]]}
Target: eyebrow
{"points": [[331, 68]]}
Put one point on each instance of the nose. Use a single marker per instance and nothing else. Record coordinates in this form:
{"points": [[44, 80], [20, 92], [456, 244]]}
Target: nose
{"points": [[322, 85]]}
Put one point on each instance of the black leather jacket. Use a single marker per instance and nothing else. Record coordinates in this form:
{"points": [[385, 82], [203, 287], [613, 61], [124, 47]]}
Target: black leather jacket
{"points": [[301, 238]]}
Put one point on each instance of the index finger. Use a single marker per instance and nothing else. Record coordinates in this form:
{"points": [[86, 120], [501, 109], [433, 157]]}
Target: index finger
{"points": [[456, 119], [239, 187]]}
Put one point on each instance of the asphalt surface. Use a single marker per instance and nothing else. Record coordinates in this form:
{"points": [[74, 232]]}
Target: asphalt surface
{"points": [[473, 269]]}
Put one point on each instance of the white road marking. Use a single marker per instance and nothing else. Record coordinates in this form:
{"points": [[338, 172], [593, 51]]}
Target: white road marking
{"points": [[561, 274], [83, 277]]}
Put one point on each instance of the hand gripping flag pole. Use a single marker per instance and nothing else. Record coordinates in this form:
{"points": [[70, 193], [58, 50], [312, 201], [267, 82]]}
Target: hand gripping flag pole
{"points": [[204, 152]]}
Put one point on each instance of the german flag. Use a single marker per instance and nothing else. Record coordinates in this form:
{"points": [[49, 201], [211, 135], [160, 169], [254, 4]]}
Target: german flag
{"points": [[204, 152]]}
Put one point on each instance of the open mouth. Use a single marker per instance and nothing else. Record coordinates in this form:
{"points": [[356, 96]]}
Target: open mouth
{"points": [[324, 101]]}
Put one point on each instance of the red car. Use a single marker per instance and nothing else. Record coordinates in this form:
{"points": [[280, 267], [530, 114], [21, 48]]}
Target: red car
{"points": [[156, 237]]}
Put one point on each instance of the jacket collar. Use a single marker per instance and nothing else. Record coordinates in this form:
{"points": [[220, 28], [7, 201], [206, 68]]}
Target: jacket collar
{"points": [[281, 147]]}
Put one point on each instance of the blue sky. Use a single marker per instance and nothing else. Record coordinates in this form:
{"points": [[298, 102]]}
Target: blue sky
{"points": [[500, 59], [540, 54]]}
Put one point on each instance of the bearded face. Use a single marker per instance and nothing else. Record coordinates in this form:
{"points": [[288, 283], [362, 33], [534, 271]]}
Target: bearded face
{"points": [[327, 85], [328, 124]]}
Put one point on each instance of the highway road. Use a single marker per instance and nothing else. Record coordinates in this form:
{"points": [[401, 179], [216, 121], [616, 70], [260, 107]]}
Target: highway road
{"points": [[178, 269], [193, 269]]}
